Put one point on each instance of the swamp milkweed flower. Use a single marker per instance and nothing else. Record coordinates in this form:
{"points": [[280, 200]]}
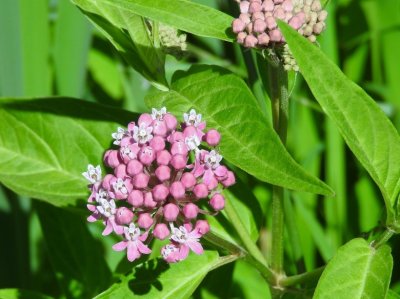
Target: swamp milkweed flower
{"points": [[161, 177]]}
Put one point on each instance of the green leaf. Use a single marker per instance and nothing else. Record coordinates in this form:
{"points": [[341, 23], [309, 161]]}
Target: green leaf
{"points": [[77, 258], [157, 279], [248, 140], [243, 200], [130, 35], [46, 144], [367, 131], [392, 295], [182, 14], [356, 271], [21, 294]]}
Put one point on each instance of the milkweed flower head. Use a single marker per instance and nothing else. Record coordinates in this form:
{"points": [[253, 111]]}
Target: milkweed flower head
{"points": [[162, 175], [256, 26]]}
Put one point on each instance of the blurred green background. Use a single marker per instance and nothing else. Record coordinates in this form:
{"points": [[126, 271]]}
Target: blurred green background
{"points": [[48, 48]]}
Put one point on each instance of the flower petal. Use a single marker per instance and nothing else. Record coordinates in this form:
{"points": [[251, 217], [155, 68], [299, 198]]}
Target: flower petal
{"points": [[120, 246], [132, 251], [195, 246]]}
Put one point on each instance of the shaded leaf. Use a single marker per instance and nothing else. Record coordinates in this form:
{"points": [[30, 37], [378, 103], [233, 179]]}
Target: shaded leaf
{"points": [[356, 271], [157, 279], [130, 34], [77, 258], [248, 140], [46, 144]]}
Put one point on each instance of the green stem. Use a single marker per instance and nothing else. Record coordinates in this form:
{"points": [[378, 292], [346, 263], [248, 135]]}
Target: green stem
{"points": [[278, 88], [383, 238], [254, 256], [302, 278]]}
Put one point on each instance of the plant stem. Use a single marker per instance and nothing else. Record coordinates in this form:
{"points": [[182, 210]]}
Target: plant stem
{"points": [[254, 255], [383, 238], [302, 278], [278, 89]]}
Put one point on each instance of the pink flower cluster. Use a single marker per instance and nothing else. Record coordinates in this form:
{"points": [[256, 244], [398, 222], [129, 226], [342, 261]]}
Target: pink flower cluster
{"points": [[257, 23], [160, 176]]}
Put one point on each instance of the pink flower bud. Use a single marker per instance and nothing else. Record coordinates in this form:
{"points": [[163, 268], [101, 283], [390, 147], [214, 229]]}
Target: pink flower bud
{"points": [[147, 155], [123, 216], [190, 211], [179, 161], [295, 22], [275, 35], [112, 159], [202, 226], [200, 190], [175, 137], [106, 183], [279, 13], [120, 171], [245, 18], [258, 15], [244, 6], [161, 231], [271, 23], [259, 26], [179, 147], [141, 180], [159, 128], [254, 7], [212, 183], [163, 157], [250, 41], [238, 25], [134, 167], [318, 28], [177, 190], [188, 180], [145, 220], [157, 143], [287, 5], [171, 212], [323, 14], [163, 173], [170, 121], [230, 180], [146, 119], [241, 37], [268, 5], [160, 192], [135, 198], [263, 39], [149, 201], [217, 202]]}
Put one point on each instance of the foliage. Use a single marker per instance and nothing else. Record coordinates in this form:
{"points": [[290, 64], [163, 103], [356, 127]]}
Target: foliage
{"points": [[74, 71]]}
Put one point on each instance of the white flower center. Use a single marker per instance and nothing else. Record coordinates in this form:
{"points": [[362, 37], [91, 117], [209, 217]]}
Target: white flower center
{"points": [[192, 142], [212, 159], [168, 249], [107, 208], [158, 114], [142, 134], [179, 235], [192, 119], [119, 185], [132, 232], [93, 174], [118, 136], [101, 194]]}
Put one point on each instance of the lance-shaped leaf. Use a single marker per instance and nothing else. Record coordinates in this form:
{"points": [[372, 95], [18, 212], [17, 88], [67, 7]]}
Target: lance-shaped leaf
{"points": [[366, 129], [248, 140], [45, 145], [356, 271], [157, 279], [131, 35], [77, 258], [182, 14]]}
